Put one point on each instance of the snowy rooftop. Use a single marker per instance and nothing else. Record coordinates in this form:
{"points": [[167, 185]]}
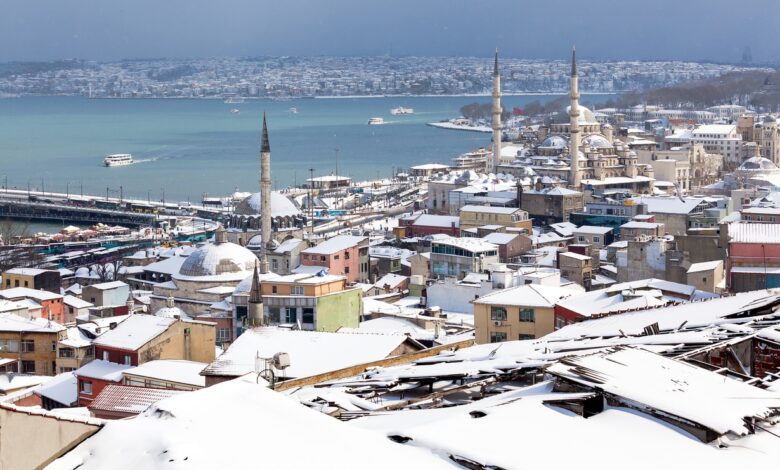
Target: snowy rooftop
{"points": [[432, 220], [335, 244], [19, 292], [63, 388], [134, 332], [490, 209], [179, 371], [311, 352], [103, 370], [76, 302], [593, 229], [751, 233], [12, 322], [705, 266], [528, 295], [132, 400]]}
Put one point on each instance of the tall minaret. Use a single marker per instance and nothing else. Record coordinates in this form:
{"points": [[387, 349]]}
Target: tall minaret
{"points": [[255, 302], [265, 196], [574, 114], [494, 161]]}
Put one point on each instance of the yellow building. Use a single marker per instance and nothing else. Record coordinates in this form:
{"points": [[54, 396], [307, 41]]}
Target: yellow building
{"points": [[516, 313], [29, 346], [315, 302], [478, 216]]}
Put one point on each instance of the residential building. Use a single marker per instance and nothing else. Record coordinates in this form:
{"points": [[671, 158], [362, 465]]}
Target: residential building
{"points": [[75, 308], [168, 374], [95, 376], [760, 214], [420, 225], [29, 346], [577, 268], [51, 305], [597, 237], [460, 256], [722, 139], [510, 245], [517, 313], [74, 349], [550, 205], [477, 216], [114, 293], [143, 338], [633, 229], [707, 276], [38, 279], [345, 255], [315, 302], [119, 401], [753, 256], [286, 256]]}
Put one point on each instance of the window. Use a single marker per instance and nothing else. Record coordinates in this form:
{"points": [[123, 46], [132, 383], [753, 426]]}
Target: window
{"points": [[66, 352], [273, 314], [581, 238], [28, 367], [596, 239], [85, 387], [273, 289], [497, 336], [53, 346], [90, 352], [28, 346], [346, 269], [67, 369], [223, 335], [527, 315], [105, 355], [322, 258], [498, 313], [126, 360], [522, 337], [9, 345], [336, 257], [290, 315], [297, 290], [346, 255], [308, 315]]}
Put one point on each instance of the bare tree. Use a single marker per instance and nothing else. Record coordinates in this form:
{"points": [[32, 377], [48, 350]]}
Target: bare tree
{"points": [[14, 253]]}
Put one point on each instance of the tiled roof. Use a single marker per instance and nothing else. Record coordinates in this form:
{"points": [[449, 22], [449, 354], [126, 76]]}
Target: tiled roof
{"points": [[124, 399]]}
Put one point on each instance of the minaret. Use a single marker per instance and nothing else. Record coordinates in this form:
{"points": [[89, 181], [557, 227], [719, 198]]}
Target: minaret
{"points": [[574, 114], [265, 196], [494, 161], [255, 302]]}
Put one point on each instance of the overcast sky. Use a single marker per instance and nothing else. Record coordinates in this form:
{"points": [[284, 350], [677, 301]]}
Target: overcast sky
{"points": [[602, 29]]}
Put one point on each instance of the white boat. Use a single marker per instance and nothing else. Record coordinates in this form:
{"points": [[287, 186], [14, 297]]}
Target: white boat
{"points": [[401, 110], [235, 111], [374, 121], [234, 100], [118, 159], [293, 110]]}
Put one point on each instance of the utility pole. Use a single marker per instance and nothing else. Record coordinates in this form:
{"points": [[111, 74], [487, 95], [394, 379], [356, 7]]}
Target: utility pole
{"points": [[107, 189], [67, 189], [121, 194], [337, 160]]}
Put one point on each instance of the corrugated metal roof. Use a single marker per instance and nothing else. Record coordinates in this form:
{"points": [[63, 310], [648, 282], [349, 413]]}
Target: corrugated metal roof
{"points": [[754, 233], [124, 399]]}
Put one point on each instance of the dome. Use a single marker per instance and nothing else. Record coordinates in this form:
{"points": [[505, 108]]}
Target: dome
{"points": [[556, 142], [586, 115], [596, 141], [228, 261], [280, 205], [171, 311], [757, 164], [245, 286]]}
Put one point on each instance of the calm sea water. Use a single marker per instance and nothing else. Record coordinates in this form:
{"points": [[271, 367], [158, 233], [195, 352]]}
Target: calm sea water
{"points": [[191, 147]]}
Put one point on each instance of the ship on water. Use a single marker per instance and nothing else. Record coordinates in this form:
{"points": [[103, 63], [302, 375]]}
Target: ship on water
{"points": [[400, 111], [375, 121], [118, 159]]}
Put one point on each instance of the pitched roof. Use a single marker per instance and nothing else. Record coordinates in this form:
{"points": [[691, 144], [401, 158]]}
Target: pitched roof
{"points": [[135, 331], [12, 322], [103, 370], [133, 400], [335, 244], [528, 295], [179, 371], [753, 233]]}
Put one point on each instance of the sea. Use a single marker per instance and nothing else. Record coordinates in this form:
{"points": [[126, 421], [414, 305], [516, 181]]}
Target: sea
{"points": [[186, 149]]}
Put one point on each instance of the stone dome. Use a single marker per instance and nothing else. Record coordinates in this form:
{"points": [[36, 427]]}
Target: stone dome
{"points": [[556, 142], [758, 164], [221, 260], [281, 206], [586, 115], [596, 141]]}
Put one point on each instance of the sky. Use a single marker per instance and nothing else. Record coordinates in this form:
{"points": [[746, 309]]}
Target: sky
{"points": [[716, 30]]}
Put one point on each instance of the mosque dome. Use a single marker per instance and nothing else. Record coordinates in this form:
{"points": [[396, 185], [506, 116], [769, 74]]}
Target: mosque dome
{"points": [[221, 259], [556, 142], [281, 206], [586, 115], [596, 141], [758, 164], [171, 311]]}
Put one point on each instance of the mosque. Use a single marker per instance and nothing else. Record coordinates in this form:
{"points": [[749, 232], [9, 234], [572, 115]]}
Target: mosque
{"points": [[582, 152]]}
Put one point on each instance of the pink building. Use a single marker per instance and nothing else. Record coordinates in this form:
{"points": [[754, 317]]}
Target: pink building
{"points": [[343, 254], [754, 256]]}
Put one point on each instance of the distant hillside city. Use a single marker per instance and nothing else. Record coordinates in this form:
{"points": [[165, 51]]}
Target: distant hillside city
{"points": [[281, 77]]}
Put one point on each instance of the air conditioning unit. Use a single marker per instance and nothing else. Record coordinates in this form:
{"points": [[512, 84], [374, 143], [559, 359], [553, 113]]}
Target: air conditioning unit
{"points": [[498, 323]]}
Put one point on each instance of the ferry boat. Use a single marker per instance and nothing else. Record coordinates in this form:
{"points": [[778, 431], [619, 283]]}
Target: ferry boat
{"points": [[293, 110], [401, 111], [118, 159], [235, 111], [475, 160], [375, 121], [234, 100]]}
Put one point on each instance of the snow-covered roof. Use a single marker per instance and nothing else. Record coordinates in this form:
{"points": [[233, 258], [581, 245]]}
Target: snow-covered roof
{"points": [[390, 279], [311, 352], [281, 206], [170, 370], [188, 431], [168, 266], [103, 370], [218, 262], [705, 266], [135, 331], [528, 295], [668, 205], [752, 233], [641, 225], [131, 400], [19, 292], [26, 271], [491, 209], [498, 238], [75, 302], [392, 325], [673, 387], [12, 322], [433, 220], [63, 388], [75, 338], [334, 245], [593, 229]]}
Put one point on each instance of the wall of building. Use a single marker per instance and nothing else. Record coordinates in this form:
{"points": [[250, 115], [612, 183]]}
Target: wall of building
{"points": [[544, 322], [340, 309], [452, 296], [197, 345], [53, 437], [43, 355], [706, 280]]}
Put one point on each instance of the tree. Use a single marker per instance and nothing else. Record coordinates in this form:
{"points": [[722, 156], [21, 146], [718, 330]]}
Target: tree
{"points": [[13, 253]]}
